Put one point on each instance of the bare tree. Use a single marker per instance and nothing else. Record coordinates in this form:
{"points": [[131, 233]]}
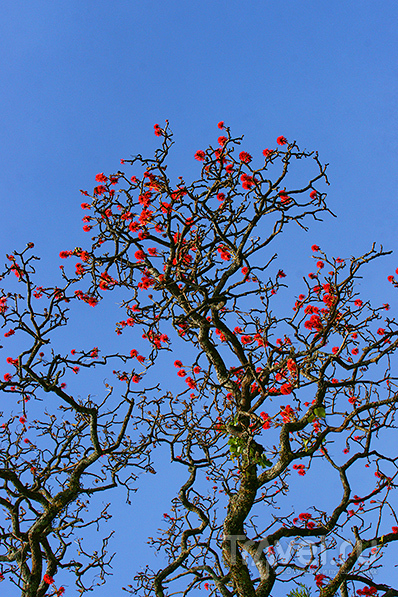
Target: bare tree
{"points": [[192, 265]]}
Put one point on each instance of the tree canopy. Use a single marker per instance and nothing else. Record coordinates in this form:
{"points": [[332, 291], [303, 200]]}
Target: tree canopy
{"points": [[267, 397]]}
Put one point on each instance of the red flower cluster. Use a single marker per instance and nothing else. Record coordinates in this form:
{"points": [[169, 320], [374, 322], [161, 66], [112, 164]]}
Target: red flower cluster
{"points": [[247, 181], [368, 591], [48, 579], [300, 468], [191, 383], [319, 578], [106, 281], [286, 389], [314, 323], [3, 304], [284, 197], [245, 157], [87, 298], [287, 413], [266, 419], [304, 516], [224, 253], [139, 255], [292, 367]]}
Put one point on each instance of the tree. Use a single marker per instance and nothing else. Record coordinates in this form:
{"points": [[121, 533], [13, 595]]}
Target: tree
{"points": [[268, 398]]}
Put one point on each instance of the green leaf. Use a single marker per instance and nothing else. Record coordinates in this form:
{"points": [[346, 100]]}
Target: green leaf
{"points": [[320, 412]]}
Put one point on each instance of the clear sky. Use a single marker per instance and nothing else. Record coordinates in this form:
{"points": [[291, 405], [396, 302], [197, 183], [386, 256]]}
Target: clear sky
{"points": [[83, 81]]}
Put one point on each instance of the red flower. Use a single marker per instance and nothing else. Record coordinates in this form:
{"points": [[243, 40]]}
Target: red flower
{"points": [[313, 194], [281, 140], [177, 364], [245, 157], [200, 155], [319, 578], [267, 152], [394, 530], [304, 516], [247, 181], [134, 226], [101, 177], [284, 197], [48, 579], [139, 255], [222, 140], [367, 591], [286, 388], [158, 130], [191, 383], [99, 190], [7, 377], [221, 124], [181, 373], [320, 264], [287, 412], [266, 419]]}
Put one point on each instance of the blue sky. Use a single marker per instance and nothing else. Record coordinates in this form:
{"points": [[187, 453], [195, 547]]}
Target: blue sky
{"points": [[82, 83]]}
